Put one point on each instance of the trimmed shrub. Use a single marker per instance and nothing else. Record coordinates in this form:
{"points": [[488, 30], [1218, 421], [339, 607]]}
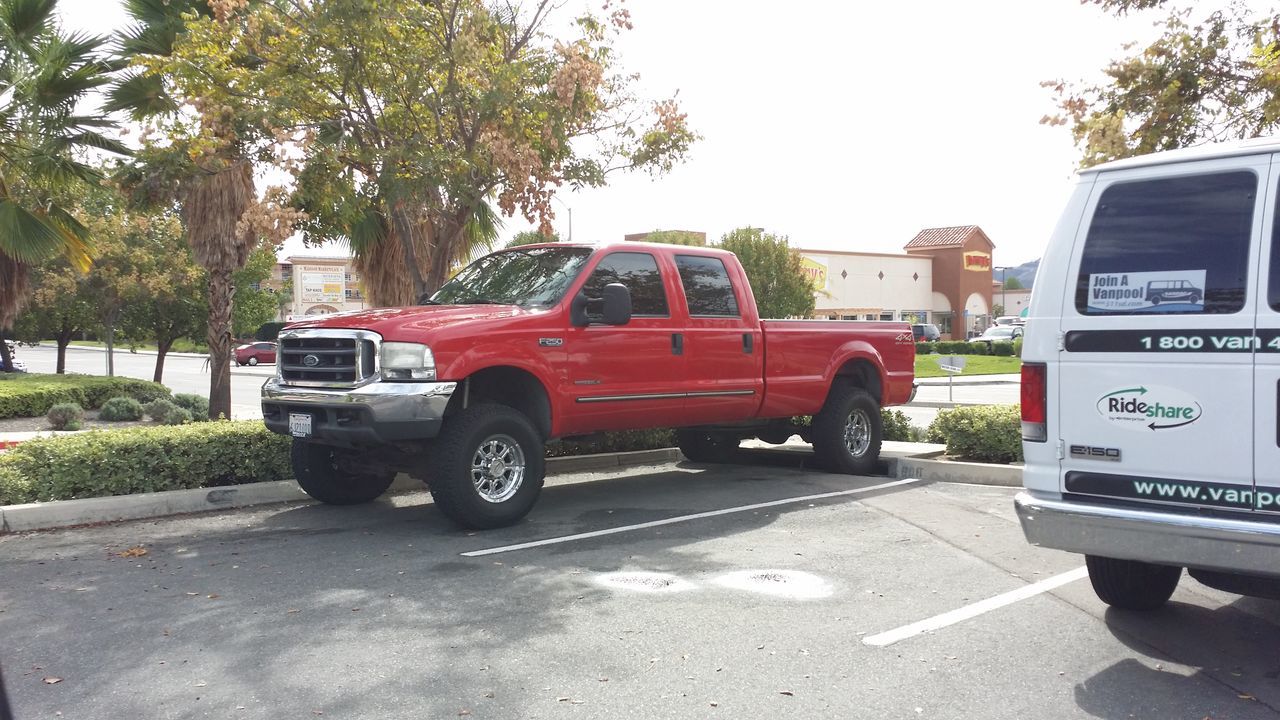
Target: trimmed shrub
{"points": [[625, 441], [197, 405], [268, 332], [157, 409], [29, 395], [926, 348], [985, 433], [896, 425], [953, 347], [1017, 347], [977, 348], [1003, 349], [177, 416], [119, 409], [65, 416], [146, 459]]}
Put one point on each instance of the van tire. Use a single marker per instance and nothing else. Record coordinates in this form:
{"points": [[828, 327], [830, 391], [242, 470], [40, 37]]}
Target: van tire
{"points": [[315, 466], [702, 446], [503, 436], [847, 432], [1131, 584]]}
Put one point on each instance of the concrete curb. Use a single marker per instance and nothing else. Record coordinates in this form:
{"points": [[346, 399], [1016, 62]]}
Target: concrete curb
{"points": [[931, 469], [947, 405], [124, 349], [66, 513]]}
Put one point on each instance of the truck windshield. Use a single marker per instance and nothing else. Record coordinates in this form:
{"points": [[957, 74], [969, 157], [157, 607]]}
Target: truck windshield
{"points": [[536, 277]]}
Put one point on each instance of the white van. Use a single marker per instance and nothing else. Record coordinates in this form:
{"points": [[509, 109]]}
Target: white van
{"points": [[1151, 376]]}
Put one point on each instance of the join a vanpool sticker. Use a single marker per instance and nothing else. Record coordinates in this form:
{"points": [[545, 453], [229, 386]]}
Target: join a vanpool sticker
{"points": [[1149, 408]]}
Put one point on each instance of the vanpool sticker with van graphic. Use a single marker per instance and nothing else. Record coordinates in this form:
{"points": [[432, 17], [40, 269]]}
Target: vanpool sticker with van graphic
{"points": [[1149, 408], [1173, 290]]}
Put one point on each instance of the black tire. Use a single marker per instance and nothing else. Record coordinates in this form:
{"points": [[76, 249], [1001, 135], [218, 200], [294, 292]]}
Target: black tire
{"points": [[316, 468], [1195, 299], [487, 501], [1154, 299], [1130, 584], [702, 446], [856, 452]]}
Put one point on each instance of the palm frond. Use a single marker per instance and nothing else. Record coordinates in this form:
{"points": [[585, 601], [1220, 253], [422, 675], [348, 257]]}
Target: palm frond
{"points": [[26, 20], [98, 140], [27, 237], [139, 95], [480, 232], [77, 243]]}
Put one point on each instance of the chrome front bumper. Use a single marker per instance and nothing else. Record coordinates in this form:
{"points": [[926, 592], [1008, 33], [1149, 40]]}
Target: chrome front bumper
{"points": [[373, 414], [1192, 541]]}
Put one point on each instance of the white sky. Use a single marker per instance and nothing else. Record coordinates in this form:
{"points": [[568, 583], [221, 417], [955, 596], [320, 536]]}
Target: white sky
{"points": [[844, 125]]}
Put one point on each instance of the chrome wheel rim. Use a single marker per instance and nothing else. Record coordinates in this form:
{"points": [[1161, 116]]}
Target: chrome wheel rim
{"points": [[497, 468], [857, 433]]}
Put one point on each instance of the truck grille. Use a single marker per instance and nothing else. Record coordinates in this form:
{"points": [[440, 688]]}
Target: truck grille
{"points": [[320, 359]]}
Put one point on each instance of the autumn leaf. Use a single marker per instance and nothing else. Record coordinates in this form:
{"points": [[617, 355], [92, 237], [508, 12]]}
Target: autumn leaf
{"points": [[133, 552]]}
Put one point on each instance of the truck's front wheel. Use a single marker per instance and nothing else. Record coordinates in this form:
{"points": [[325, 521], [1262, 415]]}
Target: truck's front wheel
{"points": [[1130, 584], [847, 432], [489, 464], [317, 470]]}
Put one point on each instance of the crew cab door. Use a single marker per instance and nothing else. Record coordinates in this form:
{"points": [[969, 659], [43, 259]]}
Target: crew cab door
{"points": [[627, 376], [722, 342], [1156, 393], [1266, 359]]}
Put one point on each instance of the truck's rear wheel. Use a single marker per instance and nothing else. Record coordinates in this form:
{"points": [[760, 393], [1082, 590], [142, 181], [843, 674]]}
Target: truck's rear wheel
{"points": [[317, 470], [847, 431], [707, 447], [489, 465], [1131, 584]]}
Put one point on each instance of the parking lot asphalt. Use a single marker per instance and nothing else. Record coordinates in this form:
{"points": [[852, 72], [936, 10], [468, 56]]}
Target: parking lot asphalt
{"points": [[754, 599]]}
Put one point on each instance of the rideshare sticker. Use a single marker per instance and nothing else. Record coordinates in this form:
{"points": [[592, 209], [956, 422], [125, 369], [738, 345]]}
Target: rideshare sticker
{"points": [[1149, 408], [1166, 291]]}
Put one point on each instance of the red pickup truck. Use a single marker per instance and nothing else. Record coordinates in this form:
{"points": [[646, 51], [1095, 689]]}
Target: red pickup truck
{"points": [[556, 341]]}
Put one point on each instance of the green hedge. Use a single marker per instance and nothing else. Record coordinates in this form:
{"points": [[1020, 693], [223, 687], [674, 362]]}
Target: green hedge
{"points": [[142, 459], [985, 433], [926, 348], [1003, 349], [27, 395], [626, 441]]}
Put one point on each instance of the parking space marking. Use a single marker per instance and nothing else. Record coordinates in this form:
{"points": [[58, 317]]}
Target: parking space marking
{"points": [[975, 609], [684, 518]]}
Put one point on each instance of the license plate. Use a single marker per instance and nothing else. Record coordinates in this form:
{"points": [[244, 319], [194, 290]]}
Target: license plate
{"points": [[300, 424]]}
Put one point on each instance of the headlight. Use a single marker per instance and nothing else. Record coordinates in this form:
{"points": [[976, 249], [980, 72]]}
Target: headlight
{"points": [[407, 361]]}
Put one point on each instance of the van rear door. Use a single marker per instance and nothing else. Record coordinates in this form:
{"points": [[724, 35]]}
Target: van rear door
{"points": [[1266, 428], [1156, 391]]}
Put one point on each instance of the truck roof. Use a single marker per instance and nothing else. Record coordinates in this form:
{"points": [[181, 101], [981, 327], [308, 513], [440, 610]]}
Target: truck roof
{"points": [[1253, 146], [627, 245]]}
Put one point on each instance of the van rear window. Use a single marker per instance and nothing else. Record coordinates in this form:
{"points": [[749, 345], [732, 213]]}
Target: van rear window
{"points": [[1174, 246]]}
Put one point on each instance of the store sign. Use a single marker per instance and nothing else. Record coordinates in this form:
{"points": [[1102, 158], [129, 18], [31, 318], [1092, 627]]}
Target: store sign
{"points": [[977, 261], [816, 270], [322, 284]]}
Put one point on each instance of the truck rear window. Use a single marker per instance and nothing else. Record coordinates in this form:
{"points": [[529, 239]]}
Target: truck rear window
{"points": [[1173, 245], [706, 286]]}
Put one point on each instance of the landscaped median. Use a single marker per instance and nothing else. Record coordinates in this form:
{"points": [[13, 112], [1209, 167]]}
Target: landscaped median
{"points": [[30, 395]]}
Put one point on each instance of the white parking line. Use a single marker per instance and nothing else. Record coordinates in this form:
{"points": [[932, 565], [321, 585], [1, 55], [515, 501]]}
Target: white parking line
{"points": [[969, 611], [684, 518]]}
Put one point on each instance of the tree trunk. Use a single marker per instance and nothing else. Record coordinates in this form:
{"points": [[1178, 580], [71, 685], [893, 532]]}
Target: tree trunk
{"points": [[447, 235], [6, 360], [221, 295], [162, 349], [407, 232], [64, 339], [111, 349]]}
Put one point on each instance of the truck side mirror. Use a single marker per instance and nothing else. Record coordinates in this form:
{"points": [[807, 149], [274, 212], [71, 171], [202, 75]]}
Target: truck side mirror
{"points": [[578, 310], [617, 304]]}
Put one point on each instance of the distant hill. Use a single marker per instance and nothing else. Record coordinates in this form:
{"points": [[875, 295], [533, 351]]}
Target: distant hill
{"points": [[1026, 273]]}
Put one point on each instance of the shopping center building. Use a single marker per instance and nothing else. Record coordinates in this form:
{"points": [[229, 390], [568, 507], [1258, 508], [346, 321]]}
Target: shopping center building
{"points": [[943, 277]]}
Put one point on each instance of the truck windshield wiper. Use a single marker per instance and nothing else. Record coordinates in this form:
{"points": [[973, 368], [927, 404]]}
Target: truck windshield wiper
{"points": [[479, 301]]}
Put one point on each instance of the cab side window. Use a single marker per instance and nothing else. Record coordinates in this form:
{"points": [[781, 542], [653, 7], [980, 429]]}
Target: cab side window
{"points": [[1170, 246], [706, 286], [639, 272]]}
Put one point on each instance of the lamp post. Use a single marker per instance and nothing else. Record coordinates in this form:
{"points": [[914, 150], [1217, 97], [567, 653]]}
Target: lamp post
{"points": [[566, 207], [1004, 278]]}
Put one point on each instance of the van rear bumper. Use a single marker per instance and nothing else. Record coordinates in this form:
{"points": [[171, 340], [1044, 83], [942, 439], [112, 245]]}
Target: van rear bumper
{"points": [[1193, 541]]}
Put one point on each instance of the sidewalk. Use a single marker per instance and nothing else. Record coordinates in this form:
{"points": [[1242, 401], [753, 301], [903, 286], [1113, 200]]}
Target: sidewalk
{"points": [[972, 380]]}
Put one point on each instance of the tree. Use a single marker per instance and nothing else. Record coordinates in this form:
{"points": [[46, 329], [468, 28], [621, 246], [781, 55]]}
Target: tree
{"points": [[198, 154], [1013, 283], [781, 288], [168, 299], [255, 306], [58, 308], [529, 237], [676, 237], [997, 310], [495, 107], [1205, 78], [44, 75]]}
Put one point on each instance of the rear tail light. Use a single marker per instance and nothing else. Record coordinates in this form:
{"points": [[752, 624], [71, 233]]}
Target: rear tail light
{"points": [[1034, 403]]}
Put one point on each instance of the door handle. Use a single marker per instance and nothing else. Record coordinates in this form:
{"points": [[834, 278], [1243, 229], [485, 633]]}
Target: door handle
{"points": [[748, 343], [677, 344]]}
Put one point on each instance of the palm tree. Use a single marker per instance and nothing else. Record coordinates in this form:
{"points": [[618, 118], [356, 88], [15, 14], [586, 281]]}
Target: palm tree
{"points": [[44, 74], [212, 192]]}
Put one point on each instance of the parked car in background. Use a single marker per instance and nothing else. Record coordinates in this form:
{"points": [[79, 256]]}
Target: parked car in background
{"points": [[999, 333], [254, 353], [926, 333], [1008, 320], [18, 365]]}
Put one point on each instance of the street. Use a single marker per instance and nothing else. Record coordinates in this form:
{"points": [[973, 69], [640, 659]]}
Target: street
{"points": [[677, 591], [181, 374]]}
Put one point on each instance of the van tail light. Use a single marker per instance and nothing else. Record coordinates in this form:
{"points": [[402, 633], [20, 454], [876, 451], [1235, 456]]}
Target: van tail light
{"points": [[1034, 403]]}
